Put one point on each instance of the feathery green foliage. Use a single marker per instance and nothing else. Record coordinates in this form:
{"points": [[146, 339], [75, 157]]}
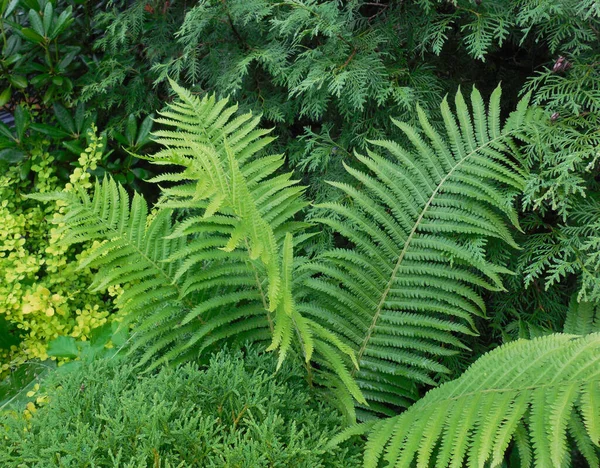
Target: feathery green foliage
{"points": [[417, 226], [534, 393], [233, 412]]}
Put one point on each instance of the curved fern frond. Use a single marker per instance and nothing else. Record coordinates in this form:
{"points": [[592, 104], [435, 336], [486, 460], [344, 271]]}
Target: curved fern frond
{"points": [[417, 226], [532, 393], [243, 207]]}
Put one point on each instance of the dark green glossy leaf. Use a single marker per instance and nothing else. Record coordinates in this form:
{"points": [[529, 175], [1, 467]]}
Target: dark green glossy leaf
{"points": [[49, 130], [63, 21], [143, 137], [36, 22], [18, 81], [25, 169], [140, 173], [47, 19], [73, 147], [21, 122], [31, 35], [131, 129], [5, 96], [5, 132]]}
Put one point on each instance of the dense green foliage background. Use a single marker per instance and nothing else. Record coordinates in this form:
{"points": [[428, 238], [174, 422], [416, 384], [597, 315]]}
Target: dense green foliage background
{"points": [[399, 239]]}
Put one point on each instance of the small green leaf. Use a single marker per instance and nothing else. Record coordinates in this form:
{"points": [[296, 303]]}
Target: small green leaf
{"points": [[63, 21], [131, 129], [63, 347], [25, 169], [143, 137], [21, 122], [140, 173], [47, 19], [73, 147], [11, 6], [100, 336], [36, 22], [31, 35], [12, 155], [5, 96], [49, 130], [67, 59], [79, 117], [18, 81], [4, 130], [40, 80]]}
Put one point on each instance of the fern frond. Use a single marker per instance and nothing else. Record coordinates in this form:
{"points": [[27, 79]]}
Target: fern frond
{"points": [[409, 280], [533, 392]]}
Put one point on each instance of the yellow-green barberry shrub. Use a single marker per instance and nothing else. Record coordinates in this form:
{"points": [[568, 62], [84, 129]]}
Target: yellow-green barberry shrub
{"points": [[42, 293]]}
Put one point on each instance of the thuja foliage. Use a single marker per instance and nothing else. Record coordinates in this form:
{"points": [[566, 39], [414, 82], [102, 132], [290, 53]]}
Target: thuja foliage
{"points": [[233, 412]]}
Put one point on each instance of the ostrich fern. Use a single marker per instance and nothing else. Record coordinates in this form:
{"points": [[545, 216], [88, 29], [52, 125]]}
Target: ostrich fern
{"points": [[224, 272]]}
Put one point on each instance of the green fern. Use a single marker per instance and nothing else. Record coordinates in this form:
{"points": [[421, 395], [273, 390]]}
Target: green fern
{"points": [[417, 227], [533, 393], [226, 270], [582, 318], [254, 210]]}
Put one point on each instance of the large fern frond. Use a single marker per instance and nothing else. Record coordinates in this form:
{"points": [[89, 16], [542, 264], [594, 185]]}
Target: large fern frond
{"points": [[416, 227], [241, 206], [534, 394]]}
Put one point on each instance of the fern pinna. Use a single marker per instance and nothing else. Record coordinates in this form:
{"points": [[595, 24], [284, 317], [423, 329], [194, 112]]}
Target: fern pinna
{"points": [[532, 393], [417, 226]]}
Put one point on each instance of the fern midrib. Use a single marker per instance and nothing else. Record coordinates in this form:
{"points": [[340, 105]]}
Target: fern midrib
{"points": [[408, 243], [516, 391]]}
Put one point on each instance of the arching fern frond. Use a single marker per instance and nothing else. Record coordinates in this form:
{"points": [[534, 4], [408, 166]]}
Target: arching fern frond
{"points": [[241, 206], [416, 226], [534, 393]]}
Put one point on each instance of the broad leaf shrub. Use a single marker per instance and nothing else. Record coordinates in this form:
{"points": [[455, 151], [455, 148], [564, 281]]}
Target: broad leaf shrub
{"points": [[42, 294], [235, 412]]}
